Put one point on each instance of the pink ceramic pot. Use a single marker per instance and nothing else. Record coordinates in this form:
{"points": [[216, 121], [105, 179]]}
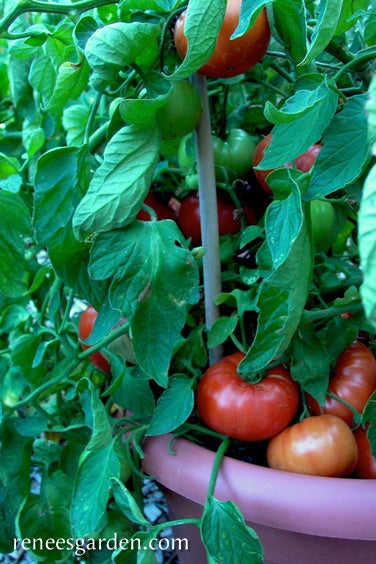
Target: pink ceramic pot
{"points": [[299, 519]]}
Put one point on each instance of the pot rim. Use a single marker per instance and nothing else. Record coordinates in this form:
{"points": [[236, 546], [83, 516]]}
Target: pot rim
{"points": [[330, 507]]}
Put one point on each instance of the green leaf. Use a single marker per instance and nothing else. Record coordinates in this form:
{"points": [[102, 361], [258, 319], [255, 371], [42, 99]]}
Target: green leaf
{"points": [[46, 516], [96, 418], [345, 150], [295, 107], [75, 118], [348, 10], [367, 245], [33, 138], [42, 76], [221, 330], [310, 362], [282, 297], [369, 417], [154, 279], [131, 390], [249, 11], [249, 234], [174, 406], [15, 462], [15, 227], [329, 13], [127, 504], [142, 111], [114, 47], [120, 184], [226, 536], [23, 352], [62, 175], [283, 223], [7, 525], [314, 108], [71, 81], [202, 24], [84, 29], [96, 467], [290, 22], [371, 114]]}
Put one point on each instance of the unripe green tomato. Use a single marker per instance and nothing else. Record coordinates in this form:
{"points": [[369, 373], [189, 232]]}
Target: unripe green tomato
{"points": [[322, 218], [182, 111], [233, 155]]}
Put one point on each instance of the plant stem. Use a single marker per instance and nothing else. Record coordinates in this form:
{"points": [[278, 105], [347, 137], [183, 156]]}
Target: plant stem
{"points": [[105, 341], [98, 137], [321, 314], [216, 465], [208, 213], [366, 56], [24, 6]]}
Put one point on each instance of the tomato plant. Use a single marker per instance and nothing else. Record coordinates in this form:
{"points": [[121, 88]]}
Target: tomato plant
{"points": [[228, 217], [322, 445], [182, 111], [242, 410], [231, 56], [85, 328], [354, 381], [366, 466], [94, 104], [162, 211]]}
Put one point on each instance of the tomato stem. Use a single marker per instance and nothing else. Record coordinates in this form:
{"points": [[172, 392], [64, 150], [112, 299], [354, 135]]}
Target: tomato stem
{"points": [[216, 465], [320, 314]]}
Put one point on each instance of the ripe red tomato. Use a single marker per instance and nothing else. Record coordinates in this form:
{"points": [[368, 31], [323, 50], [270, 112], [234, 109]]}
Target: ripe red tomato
{"points": [[304, 162], [322, 445], [230, 57], [257, 158], [366, 467], [228, 220], [241, 410], [85, 327], [163, 212], [354, 381]]}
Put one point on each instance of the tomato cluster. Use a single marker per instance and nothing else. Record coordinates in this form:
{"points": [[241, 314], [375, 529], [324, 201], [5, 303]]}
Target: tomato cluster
{"points": [[322, 444]]}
